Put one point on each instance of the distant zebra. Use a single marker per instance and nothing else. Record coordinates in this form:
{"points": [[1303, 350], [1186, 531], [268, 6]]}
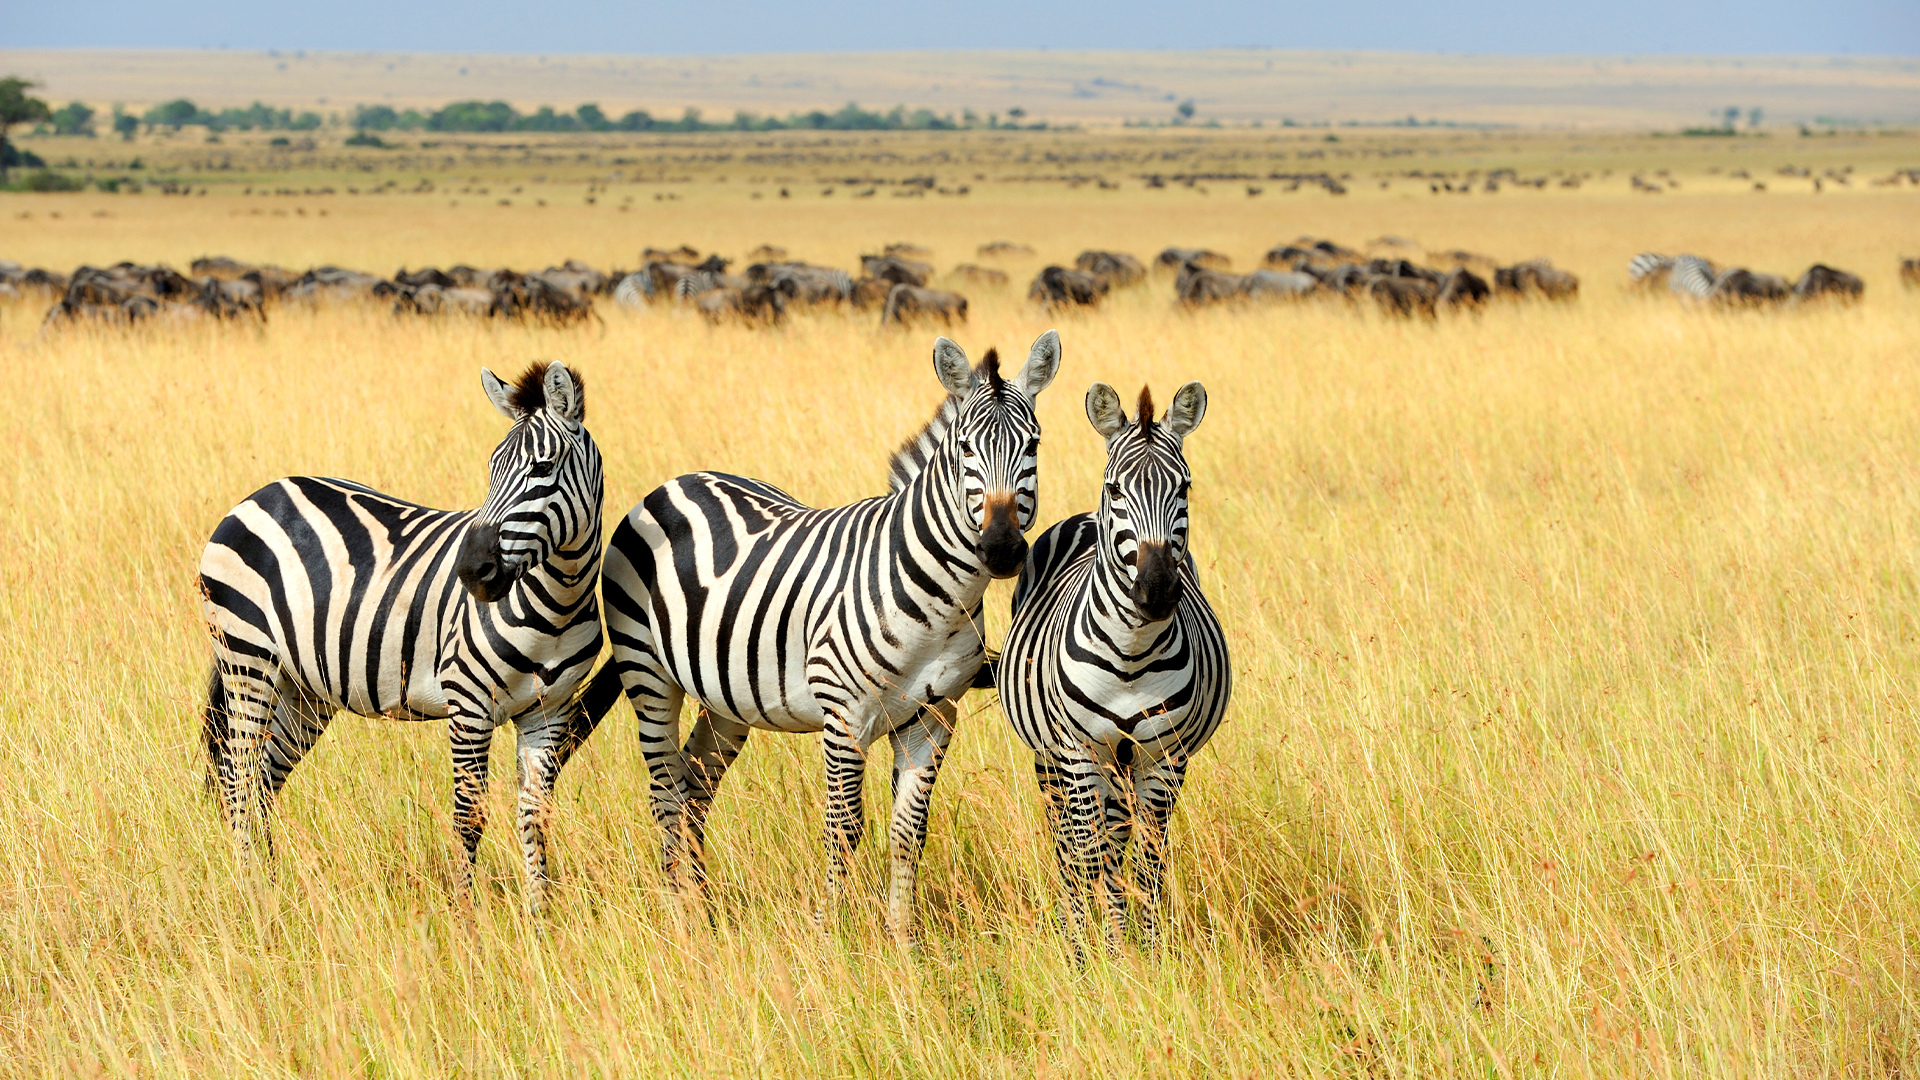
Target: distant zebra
{"points": [[1692, 278], [860, 622], [325, 595], [1115, 671], [1648, 270]]}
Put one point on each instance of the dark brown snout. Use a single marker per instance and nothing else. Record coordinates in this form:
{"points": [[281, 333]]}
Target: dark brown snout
{"points": [[480, 565], [1002, 546], [1157, 586]]}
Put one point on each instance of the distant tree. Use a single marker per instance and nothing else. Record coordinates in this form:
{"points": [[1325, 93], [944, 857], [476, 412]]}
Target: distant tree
{"points": [[125, 124], [174, 114], [591, 118], [637, 120], [73, 118], [306, 121], [1016, 114], [1185, 109], [1753, 118], [17, 107], [1732, 115], [474, 116], [375, 118]]}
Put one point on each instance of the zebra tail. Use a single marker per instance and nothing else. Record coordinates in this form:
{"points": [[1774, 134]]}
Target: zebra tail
{"points": [[589, 709], [213, 728]]}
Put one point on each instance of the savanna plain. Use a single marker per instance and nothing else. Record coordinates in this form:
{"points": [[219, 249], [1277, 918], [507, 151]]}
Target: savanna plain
{"points": [[1574, 728]]}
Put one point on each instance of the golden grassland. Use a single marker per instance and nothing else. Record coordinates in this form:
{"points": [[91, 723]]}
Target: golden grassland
{"points": [[1574, 726], [1092, 87]]}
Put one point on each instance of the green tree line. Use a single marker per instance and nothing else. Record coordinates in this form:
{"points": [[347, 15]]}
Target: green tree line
{"points": [[480, 116]]}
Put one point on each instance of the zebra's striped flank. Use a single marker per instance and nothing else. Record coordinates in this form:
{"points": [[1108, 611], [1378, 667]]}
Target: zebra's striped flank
{"points": [[1115, 671], [861, 622], [326, 595]]}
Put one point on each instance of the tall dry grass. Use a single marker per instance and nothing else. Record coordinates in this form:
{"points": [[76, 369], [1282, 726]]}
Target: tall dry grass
{"points": [[1575, 656]]}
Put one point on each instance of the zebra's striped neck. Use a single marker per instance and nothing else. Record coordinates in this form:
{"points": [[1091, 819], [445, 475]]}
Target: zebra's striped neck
{"points": [[933, 512], [1108, 607]]}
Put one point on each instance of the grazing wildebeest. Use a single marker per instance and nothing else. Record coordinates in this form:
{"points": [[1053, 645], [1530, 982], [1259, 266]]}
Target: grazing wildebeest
{"points": [[1462, 288], [979, 275], [1174, 258], [577, 278], [1200, 285], [16, 280], [1462, 257], [129, 293], [1403, 295], [1000, 248], [332, 284], [1910, 272], [908, 251], [803, 284], [1536, 277], [870, 292], [1822, 281], [1117, 267], [1057, 286], [900, 271], [768, 253], [427, 275], [907, 304], [430, 299], [755, 305], [531, 297], [1741, 287], [231, 299], [683, 254], [1404, 268]]}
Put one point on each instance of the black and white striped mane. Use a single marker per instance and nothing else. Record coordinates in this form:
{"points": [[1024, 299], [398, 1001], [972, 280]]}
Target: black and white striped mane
{"points": [[529, 393], [911, 459]]}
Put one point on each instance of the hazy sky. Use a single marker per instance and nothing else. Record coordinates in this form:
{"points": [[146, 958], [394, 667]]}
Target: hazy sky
{"points": [[1861, 27]]}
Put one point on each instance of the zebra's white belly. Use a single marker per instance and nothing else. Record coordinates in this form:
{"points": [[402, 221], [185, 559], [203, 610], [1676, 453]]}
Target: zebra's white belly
{"points": [[1142, 702]]}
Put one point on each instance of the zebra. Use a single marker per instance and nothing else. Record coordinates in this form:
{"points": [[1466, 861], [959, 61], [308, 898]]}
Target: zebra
{"points": [[1648, 270], [860, 622], [326, 595], [1115, 671], [1692, 278]]}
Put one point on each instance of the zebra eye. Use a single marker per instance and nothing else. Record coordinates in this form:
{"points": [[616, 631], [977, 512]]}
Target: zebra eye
{"points": [[1113, 491], [1185, 486], [541, 468], [1033, 447], [966, 447]]}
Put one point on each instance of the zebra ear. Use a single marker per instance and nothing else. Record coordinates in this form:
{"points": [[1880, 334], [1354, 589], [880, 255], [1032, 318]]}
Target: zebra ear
{"points": [[1104, 410], [565, 398], [1043, 363], [1188, 409], [500, 394], [951, 367]]}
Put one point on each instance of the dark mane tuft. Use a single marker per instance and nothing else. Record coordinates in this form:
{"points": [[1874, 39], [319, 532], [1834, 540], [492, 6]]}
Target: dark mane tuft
{"points": [[1146, 411], [990, 367], [530, 390]]}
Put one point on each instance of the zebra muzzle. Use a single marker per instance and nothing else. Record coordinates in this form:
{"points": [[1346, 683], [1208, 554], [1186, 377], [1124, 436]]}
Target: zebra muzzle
{"points": [[1156, 587], [481, 566], [1002, 546]]}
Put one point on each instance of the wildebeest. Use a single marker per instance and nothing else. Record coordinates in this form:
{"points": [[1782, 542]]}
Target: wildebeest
{"points": [[1199, 285], [1447, 260], [772, 253], [1404, 268], [1910, 272], [426, 275], [578, 278], [532, 297], [218, 266], [908, 251], [754, 305], [1309, 253], [1117, 268], [1536, 277], [870, 292], [1402, 295], [1739, 286], [1003, 248], [1462, 288], [895, 268], [335, 285], [682, 254], [17, 280], [1174, 258], [984, 276], [913, 304], [127, 292], [1057, 287], [1823, 282], [802, 283], [431, 299]]}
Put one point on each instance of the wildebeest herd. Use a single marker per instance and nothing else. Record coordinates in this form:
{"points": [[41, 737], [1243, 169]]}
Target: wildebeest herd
{"points": [[900, 284]]}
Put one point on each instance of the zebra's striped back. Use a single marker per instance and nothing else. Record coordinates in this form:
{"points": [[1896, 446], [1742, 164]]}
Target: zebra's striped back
{"points": [[1692, 277], [1648, 268], [633, 290]]}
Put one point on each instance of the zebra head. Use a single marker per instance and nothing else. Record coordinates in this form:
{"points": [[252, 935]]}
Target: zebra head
{"points": [[544, 485], [1143, 504], [995, 440]]}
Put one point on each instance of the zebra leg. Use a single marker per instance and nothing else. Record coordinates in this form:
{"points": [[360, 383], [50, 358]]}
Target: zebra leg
{"points": [[538, 754], [1116, 792], [918, 748], [711, 747], [1156, 793], [252, 696], [1070, 780], [669, 787], [845, 824], [470, 731], [299, 719]]}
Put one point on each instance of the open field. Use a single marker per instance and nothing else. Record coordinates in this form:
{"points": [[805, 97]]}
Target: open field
{"points": [[1230, 85], [1575, 711]]}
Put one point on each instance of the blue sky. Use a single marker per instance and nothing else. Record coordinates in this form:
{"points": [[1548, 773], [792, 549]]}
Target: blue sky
{"points": [[1859, 27]]}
